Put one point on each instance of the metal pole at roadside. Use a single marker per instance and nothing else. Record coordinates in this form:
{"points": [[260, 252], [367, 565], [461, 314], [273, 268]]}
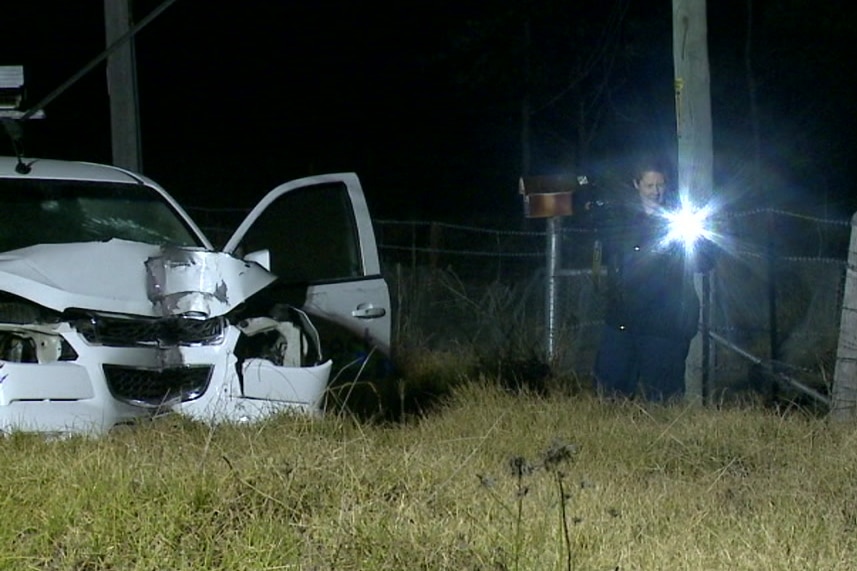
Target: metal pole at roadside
{"points": [[553, 263]]}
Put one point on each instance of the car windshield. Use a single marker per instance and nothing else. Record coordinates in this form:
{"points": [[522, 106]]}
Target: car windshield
{"points": [[46, 211]]}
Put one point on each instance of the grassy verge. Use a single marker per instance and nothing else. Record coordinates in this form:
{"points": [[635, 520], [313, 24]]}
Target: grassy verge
{"points": [[490, 480]]}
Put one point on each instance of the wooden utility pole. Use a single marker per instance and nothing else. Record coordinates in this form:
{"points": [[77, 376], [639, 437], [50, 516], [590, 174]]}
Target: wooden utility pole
{"points": [[122, 87], [845, 374], [695, 149]]}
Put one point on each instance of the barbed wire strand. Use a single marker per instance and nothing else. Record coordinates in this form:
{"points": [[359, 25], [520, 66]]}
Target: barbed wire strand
{"points": [[497, 233]]}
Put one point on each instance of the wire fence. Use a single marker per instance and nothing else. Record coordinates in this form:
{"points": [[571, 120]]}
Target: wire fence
{"points": [[778, 281]]}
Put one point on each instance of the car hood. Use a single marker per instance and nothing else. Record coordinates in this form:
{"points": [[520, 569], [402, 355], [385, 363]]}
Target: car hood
{"points": [[121, 276]]}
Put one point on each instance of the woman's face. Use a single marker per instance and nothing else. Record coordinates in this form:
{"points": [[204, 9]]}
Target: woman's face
{"points": [[651, 186]]}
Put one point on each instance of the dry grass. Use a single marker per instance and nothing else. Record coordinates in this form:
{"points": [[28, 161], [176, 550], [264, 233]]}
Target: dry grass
{"points": [[492, 480]]}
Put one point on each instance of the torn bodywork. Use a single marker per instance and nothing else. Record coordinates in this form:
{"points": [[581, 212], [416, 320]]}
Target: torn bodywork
{"points": [[146, 330]]}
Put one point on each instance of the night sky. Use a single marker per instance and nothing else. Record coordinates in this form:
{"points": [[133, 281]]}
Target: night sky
{"points": [[423, 99]]}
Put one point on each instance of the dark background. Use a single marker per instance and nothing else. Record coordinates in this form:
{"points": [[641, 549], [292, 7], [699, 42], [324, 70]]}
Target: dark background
{"points": [[423, 99]]}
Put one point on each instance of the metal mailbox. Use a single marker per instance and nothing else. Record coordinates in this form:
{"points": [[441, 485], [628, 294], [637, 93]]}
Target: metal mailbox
{"points": [[547, 196]]}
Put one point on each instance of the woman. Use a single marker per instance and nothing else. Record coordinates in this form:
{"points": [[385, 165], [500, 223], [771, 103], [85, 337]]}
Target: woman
{"points": [[652, 308]]}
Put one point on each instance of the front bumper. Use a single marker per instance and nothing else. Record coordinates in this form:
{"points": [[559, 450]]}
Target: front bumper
{"points": [[109, 386]]}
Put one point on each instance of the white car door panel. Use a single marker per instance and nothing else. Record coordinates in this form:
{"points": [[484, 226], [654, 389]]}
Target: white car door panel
{"points": [[319, 235]]}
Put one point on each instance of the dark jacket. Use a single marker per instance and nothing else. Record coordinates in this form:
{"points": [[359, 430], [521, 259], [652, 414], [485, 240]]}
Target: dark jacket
{"points": [[650, 288]]}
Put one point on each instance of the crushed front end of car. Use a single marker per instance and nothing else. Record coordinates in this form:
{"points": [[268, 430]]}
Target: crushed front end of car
{"points": [[98, 334]]}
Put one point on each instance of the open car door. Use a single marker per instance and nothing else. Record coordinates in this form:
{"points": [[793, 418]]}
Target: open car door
{"points": [[318, 237]]}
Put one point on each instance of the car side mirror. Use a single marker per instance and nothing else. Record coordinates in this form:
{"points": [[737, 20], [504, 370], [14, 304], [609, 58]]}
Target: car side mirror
{"points": [[261, 257]]}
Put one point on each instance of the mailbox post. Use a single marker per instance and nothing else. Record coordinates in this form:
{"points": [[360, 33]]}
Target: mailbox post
{"points": [[550, 197]]}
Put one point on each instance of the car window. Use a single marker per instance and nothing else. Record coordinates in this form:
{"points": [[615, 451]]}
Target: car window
{"points": [[311, 233], [43, 211]]}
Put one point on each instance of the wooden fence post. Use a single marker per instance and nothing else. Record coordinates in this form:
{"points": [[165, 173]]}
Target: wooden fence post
{"points": [[844, 405], [435, 243]]}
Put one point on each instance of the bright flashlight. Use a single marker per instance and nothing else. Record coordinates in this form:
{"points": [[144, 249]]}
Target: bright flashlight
{"points": [[687, 225]]}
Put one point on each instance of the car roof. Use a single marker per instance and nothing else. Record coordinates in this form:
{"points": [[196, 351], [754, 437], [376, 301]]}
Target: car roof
{"points": [[69, 170]]}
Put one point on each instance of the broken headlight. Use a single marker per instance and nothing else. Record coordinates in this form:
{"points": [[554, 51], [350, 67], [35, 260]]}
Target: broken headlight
{"points": [[26, 334]]}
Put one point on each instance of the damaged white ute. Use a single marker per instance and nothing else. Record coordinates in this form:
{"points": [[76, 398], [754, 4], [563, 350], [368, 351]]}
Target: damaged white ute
{"points": [[114, 306]]}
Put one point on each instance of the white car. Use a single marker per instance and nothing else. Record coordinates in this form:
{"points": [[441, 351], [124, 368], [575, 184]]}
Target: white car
{"points": [[114, 306]]}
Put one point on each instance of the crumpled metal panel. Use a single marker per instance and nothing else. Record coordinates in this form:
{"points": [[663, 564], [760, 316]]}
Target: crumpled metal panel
{"points": [[132, 278], [199, 283]]}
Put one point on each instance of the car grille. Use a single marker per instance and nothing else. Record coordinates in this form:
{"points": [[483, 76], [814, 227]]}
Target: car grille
{"points": [[165, 332], [156, 387]]}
